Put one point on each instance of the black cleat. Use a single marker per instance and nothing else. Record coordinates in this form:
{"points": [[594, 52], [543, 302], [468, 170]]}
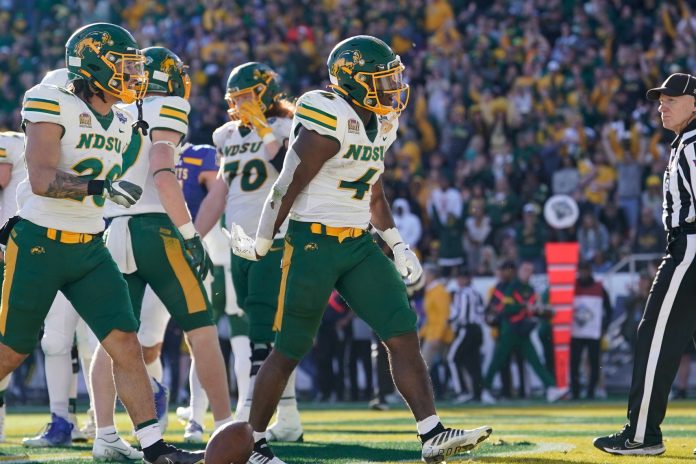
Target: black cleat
{"points": [[621, 444], [177, 456]]}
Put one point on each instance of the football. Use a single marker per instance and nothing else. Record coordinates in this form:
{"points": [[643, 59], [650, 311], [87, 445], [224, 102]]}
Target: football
{"points": [[230, 444]]}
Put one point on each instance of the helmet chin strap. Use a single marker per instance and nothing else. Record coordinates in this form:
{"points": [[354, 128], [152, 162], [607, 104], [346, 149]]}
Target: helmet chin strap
{"points": [[140, 125]]}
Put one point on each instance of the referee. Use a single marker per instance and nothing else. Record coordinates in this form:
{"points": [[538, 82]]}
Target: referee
{"points": [[466, 319], [669, 319]]}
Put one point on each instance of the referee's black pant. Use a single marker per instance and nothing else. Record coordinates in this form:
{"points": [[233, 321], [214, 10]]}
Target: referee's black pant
{"points": [[668, 323], [465, 353]]}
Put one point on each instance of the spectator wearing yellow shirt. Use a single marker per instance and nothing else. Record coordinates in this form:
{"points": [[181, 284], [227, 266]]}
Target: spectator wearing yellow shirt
{"points": [[435, 333], [597, 177]]}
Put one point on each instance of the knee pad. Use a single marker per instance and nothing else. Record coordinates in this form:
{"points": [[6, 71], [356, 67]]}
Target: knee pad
{"points": [[55, 344]]}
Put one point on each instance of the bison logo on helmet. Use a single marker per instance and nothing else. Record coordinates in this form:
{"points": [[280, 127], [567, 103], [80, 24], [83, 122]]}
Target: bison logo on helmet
{"points": [[346, 61], [169, 64], [263, 75], [94, 41]]}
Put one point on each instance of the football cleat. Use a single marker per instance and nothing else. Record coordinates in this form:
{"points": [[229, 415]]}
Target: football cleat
{"points": [[263, 454], [116, 450], [76, 435], [287, 427], [3, 412], [487, 397], [161, 405], [183, 413], [554, 394], [622, 444], [56, 433], [193, 433], [452, 441], [89, 430], [177, 456]]}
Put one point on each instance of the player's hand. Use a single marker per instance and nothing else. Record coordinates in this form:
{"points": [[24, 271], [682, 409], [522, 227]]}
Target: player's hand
{"points": [[198, 256], [407, 263], [251, 111], [242, 245], [122, 192]]}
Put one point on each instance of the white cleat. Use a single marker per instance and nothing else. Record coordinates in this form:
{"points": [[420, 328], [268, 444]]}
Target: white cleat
{"points": [[3, 411], [117, 450], [554, 394], [89, 430], [183, 413], [76, 435], [287, 427], [453, 441], [193, 433], [487, 397]]}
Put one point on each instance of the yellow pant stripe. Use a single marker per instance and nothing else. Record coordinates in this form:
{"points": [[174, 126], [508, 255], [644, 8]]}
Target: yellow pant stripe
{"points": [[287, 259], [195, 300], [10, 262]]}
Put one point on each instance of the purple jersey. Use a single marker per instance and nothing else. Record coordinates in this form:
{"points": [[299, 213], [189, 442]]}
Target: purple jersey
{"points": [[194, 160]]}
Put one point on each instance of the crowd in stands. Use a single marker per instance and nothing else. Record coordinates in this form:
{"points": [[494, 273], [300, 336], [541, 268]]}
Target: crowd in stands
{"points": [[512, 101]]}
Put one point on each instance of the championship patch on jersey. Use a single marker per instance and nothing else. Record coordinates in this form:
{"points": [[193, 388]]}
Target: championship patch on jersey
{"points": [[316, 116], [42, 105], [174, 113], [3, 153]]}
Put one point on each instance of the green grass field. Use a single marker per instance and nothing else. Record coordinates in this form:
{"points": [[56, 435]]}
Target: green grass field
{"points": [[523, 433]]}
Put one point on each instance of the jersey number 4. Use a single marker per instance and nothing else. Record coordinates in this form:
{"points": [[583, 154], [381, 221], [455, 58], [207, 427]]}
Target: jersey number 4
{"points": [[255, 168], [361, 185]]}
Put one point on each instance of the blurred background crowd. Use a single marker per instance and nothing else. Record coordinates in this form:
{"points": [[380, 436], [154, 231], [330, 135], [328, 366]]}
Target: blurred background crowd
{"points": [[512, 101]]}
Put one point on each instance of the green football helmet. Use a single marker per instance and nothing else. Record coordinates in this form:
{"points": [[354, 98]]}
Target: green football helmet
{"points": [[166, 73], [107, 56], [255, 81], [368, 71]]}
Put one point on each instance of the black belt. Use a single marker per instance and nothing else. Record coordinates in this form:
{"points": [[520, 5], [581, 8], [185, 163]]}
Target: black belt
{"points": [[686, 229]]}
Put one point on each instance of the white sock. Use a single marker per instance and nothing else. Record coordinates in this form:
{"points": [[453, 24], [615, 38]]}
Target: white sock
{"points": [[107, 433], [58, 378], [154, 369], [242, 367], [259, 435], [426, 425], [288, 402], [149, 435], [85, 362], [222, 422], [199, 399], [5, 382]]}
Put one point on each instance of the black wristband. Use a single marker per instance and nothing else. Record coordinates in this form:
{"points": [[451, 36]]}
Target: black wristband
{"points": [[164, 170], [95, 187]]}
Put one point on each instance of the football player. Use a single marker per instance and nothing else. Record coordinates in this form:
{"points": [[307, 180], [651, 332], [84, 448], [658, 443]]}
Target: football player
{"points": [[155, 243], [331, 185], [196, 170], [75, 140], [252, 147]]}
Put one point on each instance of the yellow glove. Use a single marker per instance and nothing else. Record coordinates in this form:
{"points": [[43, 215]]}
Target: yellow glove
{"points": [[252, 112]]}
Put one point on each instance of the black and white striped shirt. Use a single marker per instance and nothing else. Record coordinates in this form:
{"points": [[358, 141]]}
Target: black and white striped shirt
{"points": [[466, 307], [679, 183]]}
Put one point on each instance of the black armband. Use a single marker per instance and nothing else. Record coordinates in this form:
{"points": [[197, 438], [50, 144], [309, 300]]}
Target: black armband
{"points": [[164, 170], [95, 187]]}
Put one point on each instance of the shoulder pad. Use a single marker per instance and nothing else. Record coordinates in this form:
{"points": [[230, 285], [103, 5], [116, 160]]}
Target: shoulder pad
{"points": [[46, 103], [321, 112], [167, 113]]}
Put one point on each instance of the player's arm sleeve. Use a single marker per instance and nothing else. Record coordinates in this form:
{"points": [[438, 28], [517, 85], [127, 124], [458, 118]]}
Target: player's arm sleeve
{"points": [[45, 103], [281, 129], [172, 115], [209, 159]]}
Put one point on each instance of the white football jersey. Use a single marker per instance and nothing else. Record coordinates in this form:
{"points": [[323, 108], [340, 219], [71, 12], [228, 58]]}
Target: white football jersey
{"points": [[248, 172], [160, 112], [339, 195], [91, 147], [11, 152]]}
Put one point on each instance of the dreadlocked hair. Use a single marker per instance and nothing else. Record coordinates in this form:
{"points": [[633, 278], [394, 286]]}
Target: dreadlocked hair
{"points": [[85, 89], [283, 108]]}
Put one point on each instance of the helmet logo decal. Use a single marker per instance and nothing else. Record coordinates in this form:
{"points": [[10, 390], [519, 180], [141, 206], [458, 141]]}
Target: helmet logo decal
{"points": [[346, 61], [263, 75], [169, 65], [94, 41]]}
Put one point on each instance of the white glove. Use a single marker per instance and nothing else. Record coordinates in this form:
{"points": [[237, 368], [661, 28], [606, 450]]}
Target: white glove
{"points": [[242, 245], [122, 192], [405, 260], [407, 263]]}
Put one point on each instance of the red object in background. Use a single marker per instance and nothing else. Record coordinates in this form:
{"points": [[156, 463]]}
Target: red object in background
{"points": [[562, 266]]}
